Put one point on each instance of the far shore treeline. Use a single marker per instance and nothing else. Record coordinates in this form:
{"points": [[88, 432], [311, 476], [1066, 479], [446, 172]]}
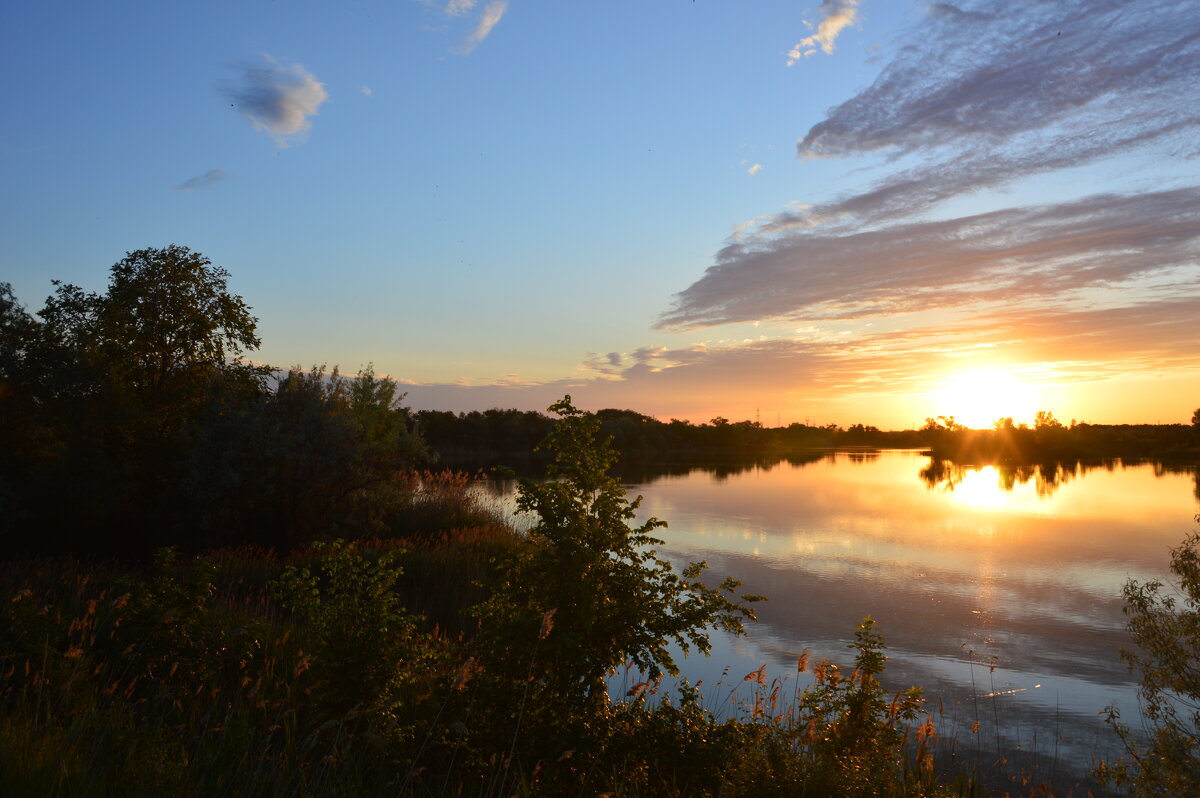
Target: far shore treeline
{"points": [[510, 437]]}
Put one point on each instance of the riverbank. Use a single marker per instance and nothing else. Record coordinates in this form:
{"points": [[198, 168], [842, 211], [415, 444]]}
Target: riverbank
{"points": [[209, 676]]}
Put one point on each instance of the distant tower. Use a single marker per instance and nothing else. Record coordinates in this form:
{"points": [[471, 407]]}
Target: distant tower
{"points": [[757, 417]]}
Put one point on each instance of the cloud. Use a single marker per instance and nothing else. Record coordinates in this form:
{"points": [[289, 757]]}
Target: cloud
{"points": [[456, 8], [1015, 255], [492, 13], [206, 180], [647, 353], [850, 380], [978, 97], [278, 99], [1015, 89], [837, 15], [610, 365], [753, 170], [366, 90]]}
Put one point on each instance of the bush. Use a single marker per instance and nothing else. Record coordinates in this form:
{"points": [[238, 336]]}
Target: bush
{"points": [[1166, 628], [366, 651], [588, 588]]}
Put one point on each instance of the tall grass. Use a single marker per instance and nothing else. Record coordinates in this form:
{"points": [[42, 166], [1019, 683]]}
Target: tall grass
{"points": [[354, 669], [430, 502], [196, 680]]}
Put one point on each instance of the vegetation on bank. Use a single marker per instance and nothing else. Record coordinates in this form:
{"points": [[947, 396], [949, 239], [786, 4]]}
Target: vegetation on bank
{"points": [[1164, 621], [1049, 440], [131, 420], [510, 438], [218, 583], [481, 439]]}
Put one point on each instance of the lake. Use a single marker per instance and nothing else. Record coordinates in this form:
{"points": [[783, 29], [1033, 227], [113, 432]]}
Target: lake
{"points": [[998, 591]]}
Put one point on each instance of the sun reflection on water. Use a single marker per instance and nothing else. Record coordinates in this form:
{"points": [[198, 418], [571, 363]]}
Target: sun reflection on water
{"points": [[982, 489]]}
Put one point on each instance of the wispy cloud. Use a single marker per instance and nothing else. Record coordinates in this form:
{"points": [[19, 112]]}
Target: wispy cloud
{"points": [[456, 8], [609, 365], [836, 16], [492, 13], [206, 180], [1019, 88], [755, 169], [980, 96], [856, 376], [278, 99], [1014, 255], [366, 90]]}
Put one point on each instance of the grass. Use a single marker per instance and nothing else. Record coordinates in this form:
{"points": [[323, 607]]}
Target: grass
{"points": [[107, 695], [353, 669]]}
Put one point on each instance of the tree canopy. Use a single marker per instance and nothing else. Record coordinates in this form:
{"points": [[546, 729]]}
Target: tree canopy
{"points": [[130, 420]]}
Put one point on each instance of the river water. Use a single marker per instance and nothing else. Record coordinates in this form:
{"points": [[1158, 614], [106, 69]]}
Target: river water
{"points": [[998, 591]]}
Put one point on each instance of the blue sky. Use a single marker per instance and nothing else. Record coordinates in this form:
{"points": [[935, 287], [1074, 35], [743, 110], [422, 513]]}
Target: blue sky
{"points": [[830, 212]]}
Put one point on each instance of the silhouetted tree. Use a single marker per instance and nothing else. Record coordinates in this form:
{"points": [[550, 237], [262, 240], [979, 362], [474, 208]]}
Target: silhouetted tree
{"points": [[129, 421], [97, 388]]}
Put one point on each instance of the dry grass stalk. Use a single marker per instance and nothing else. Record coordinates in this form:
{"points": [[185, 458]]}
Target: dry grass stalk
{"points": [[547, 624], [759, 676], [465, 672]]}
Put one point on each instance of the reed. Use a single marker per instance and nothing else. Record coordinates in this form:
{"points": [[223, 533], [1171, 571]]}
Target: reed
{"points": [[198, 678]]}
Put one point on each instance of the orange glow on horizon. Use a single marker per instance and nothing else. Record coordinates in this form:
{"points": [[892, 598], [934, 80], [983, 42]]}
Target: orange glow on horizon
{"points": [[979, 397]]}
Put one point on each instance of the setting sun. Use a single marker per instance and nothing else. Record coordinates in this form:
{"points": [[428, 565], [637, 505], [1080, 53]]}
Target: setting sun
{"points": [[977, 398]]}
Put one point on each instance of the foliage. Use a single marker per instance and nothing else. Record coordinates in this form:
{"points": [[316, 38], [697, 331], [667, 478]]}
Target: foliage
{"points": [[366, 650], [321, 455], [130, 422], [852, 733], [153, 341], [590, 588], [1165, 625], [98, 388], [167, 322], [1045, 420], [942, 424]]}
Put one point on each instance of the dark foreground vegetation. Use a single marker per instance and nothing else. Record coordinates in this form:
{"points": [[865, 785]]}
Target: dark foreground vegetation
{"points": [[218, 583]]}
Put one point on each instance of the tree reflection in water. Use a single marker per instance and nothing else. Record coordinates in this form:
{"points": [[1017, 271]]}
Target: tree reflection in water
{"points": [[947, 475]]}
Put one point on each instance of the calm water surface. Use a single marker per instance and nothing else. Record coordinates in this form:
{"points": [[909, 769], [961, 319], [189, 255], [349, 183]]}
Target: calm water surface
{"points": [[999, 592]]}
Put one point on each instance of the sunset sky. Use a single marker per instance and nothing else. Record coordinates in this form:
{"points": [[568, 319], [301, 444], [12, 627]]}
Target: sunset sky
{"points": [[855, 211]]}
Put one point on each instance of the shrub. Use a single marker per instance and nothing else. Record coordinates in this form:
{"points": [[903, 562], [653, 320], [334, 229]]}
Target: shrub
{"points": [[589, 588], [367, 652], [1166, 628]]}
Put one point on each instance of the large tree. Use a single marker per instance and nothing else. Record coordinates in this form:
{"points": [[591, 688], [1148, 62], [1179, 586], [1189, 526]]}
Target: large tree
{"points": [[167, 326], [96, 388], [129, 420]]}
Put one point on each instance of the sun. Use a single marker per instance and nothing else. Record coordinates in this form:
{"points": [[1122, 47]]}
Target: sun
{"points": [[977, 398]]}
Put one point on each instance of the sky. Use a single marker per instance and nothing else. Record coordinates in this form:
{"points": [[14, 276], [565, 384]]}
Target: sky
{"points": [[858, 211]]}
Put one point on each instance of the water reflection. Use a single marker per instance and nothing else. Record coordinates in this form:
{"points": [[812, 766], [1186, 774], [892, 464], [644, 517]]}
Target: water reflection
{"points": [[1046, 477], [637, 471], [947, 475], [964, 568]]}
